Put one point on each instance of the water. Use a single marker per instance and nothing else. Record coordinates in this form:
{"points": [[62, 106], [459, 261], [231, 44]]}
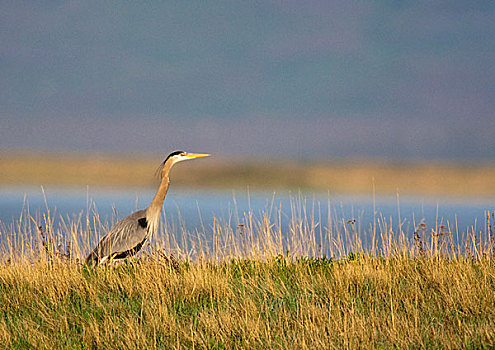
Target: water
{"points": [[195, 209]]}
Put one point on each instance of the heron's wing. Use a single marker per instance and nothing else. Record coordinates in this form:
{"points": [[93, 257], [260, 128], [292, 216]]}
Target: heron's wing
{"points": [[125, 238]]}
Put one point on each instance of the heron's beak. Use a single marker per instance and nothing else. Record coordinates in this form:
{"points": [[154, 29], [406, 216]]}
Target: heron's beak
{"points": [[196, 155]]}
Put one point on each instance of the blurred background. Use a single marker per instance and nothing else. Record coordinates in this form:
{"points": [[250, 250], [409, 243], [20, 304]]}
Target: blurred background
{"points": [[338, 96], [298, 80]]}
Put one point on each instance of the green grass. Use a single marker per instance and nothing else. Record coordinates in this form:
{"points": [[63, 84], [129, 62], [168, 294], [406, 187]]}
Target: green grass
{"points": [[255, 291], [352, 303]]}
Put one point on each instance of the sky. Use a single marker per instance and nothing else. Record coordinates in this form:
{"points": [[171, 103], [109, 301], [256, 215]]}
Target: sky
{"points": [[290, 79]]}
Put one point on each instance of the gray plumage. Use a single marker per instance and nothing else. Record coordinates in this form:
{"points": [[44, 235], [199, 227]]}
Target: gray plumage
{"points": [[130, 234], [125, 239]]}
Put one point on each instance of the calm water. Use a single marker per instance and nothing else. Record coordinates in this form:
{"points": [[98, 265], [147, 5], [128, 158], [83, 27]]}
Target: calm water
{"points": [[194, 208]]}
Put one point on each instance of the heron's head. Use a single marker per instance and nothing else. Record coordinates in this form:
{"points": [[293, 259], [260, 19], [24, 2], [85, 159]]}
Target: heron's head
{"points": [[179, 156]]}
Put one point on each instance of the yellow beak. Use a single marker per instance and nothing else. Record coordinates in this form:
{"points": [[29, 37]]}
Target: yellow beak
{"points": [[196, 155]]}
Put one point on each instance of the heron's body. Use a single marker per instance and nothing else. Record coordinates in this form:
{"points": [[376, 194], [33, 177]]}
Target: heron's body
{"points": [[130, 234], [125, 239]]}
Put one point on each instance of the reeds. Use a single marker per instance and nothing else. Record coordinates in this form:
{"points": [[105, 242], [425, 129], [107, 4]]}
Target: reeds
{"points": [[252, 280]]}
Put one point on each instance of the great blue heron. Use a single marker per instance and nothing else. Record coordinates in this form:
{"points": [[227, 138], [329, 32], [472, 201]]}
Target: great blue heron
{"points": [[130, 234]]}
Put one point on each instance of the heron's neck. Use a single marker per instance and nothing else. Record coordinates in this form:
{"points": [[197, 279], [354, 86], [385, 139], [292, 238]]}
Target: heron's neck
{"points": [[155, 207]]}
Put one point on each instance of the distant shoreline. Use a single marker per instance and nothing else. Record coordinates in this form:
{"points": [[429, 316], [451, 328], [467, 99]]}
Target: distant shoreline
{"points": [[334, 176]]}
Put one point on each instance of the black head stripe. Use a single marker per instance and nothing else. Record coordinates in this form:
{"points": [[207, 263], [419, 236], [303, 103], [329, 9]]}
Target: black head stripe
{"points": [[175, 153]]}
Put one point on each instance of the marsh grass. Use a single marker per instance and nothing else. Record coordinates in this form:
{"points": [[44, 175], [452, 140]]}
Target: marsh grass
{"points": [[246, 282]]}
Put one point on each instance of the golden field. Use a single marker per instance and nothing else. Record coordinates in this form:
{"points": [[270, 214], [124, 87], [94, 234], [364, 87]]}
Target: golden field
{"points": [[250, 288], [362, 303]]}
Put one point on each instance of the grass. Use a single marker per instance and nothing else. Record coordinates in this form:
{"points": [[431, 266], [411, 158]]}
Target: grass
{"points": [[350, 177], [249, 285], [355, 303]]}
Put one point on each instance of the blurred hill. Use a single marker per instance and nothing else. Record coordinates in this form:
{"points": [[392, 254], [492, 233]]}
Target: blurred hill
{"points": [[336, 176]]}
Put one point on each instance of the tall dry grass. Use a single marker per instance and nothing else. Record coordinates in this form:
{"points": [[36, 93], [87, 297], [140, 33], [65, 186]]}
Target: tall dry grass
{"points": [[244, 282]]}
